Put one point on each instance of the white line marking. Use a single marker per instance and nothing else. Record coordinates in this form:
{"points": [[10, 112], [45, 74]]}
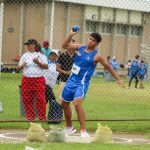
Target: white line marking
{"points": [[122, 140], [125, 140], [7, 137]]}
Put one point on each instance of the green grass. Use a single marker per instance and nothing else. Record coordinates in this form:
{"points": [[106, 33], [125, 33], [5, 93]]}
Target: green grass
{"points": [[64, 146], [105, 100]]}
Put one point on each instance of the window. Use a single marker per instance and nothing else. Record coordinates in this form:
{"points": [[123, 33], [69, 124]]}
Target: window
{"points": [[136, 30], [91, 26], [106, 28], [122, 29]]}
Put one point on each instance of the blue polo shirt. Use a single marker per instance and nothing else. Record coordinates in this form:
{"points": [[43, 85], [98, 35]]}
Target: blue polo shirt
{"points": [[46, 52]]}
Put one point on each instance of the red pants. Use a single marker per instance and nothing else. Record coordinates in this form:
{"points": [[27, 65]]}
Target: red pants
{"points": [[34, 88]]}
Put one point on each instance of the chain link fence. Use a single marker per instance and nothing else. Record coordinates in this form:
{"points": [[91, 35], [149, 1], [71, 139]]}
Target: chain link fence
{"points": [[125, 28]]}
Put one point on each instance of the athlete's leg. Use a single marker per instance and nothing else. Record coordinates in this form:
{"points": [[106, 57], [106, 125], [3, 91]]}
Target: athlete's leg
{"points": [[136, 81], [80, 112], [61, 87], [67, 112]]}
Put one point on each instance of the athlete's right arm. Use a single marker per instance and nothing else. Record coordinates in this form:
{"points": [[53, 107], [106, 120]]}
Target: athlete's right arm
{"points": [[101, 60], [67, 45]]}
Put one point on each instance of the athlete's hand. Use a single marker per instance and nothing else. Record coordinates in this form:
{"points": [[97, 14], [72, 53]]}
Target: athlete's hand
{"points": [[121, 83], [73, 33]]}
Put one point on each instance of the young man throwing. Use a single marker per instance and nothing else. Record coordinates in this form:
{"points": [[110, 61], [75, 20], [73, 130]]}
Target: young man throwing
{"points": [[78, 82]]}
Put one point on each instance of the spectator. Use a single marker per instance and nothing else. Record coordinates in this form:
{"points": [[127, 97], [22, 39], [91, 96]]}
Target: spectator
{"points": [[142, 73], [135, 66], [106, 72], [33, 64], [1, 66], [115, 64], [51, 76], [108, 60], [65, 62], [128, 67], [46, 50]]}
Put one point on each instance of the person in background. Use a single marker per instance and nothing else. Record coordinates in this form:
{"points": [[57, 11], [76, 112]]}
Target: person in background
{"points": [[64, 66], [108, 60], [33, 63], [135, 66], [115, 64], [55, 110], [142, 73], [51, 75], [1, 66], [106, 72], [128, 67], [46, 50]]}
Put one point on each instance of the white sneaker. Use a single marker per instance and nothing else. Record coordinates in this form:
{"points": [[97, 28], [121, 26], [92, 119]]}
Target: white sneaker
{"points": [[84, 134], [70, 130]]}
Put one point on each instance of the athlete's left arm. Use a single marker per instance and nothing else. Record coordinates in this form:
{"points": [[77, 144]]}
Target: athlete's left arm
{"points": [[101, 60], [66, 43]]}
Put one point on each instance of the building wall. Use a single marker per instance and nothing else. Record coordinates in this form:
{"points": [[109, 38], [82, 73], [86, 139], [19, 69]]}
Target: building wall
{"points": [[105, 45], [34, 21], [134, 46], [76, 18], [65, 16], [10, 43], [59, 25], [120, 48]]}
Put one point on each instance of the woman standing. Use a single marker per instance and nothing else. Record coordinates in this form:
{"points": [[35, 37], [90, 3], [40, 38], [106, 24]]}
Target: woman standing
{"points": [[33, 64]]}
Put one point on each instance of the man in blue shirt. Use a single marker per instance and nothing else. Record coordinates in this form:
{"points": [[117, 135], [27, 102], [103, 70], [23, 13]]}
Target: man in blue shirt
{"points": [[142, 72], [135, 66], [46, 50], [79, 80], [115, 64]]}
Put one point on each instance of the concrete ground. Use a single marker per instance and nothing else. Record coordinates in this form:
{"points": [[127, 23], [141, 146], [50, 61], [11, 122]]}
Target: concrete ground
{"points": [[19, 136]]}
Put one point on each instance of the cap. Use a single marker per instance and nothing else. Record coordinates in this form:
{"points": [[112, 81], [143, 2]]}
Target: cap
{"points": [[46, 43], [114, 57], [56, 51], [31, 41]]}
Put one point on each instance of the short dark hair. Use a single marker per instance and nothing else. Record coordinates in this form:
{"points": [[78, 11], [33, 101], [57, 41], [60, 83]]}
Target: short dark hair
{"points": [[96, 36], [137, 56], [142, 61]]}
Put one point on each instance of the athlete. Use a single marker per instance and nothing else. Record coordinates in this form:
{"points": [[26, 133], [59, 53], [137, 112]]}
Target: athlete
{"points": [[77, 84]]}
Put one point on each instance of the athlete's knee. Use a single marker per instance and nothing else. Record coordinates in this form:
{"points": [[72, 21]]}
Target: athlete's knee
{"points": [[65, 104], [77, 104]]}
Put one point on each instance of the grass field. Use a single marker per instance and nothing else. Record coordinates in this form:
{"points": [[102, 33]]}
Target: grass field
{"points": [[105, 100], [56, 146]]}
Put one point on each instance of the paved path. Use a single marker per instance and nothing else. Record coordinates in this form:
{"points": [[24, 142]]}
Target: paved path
{"points": [[18, 136]]}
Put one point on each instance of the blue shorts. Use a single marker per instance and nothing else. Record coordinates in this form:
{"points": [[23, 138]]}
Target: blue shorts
{"points": [[73, 91]]}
